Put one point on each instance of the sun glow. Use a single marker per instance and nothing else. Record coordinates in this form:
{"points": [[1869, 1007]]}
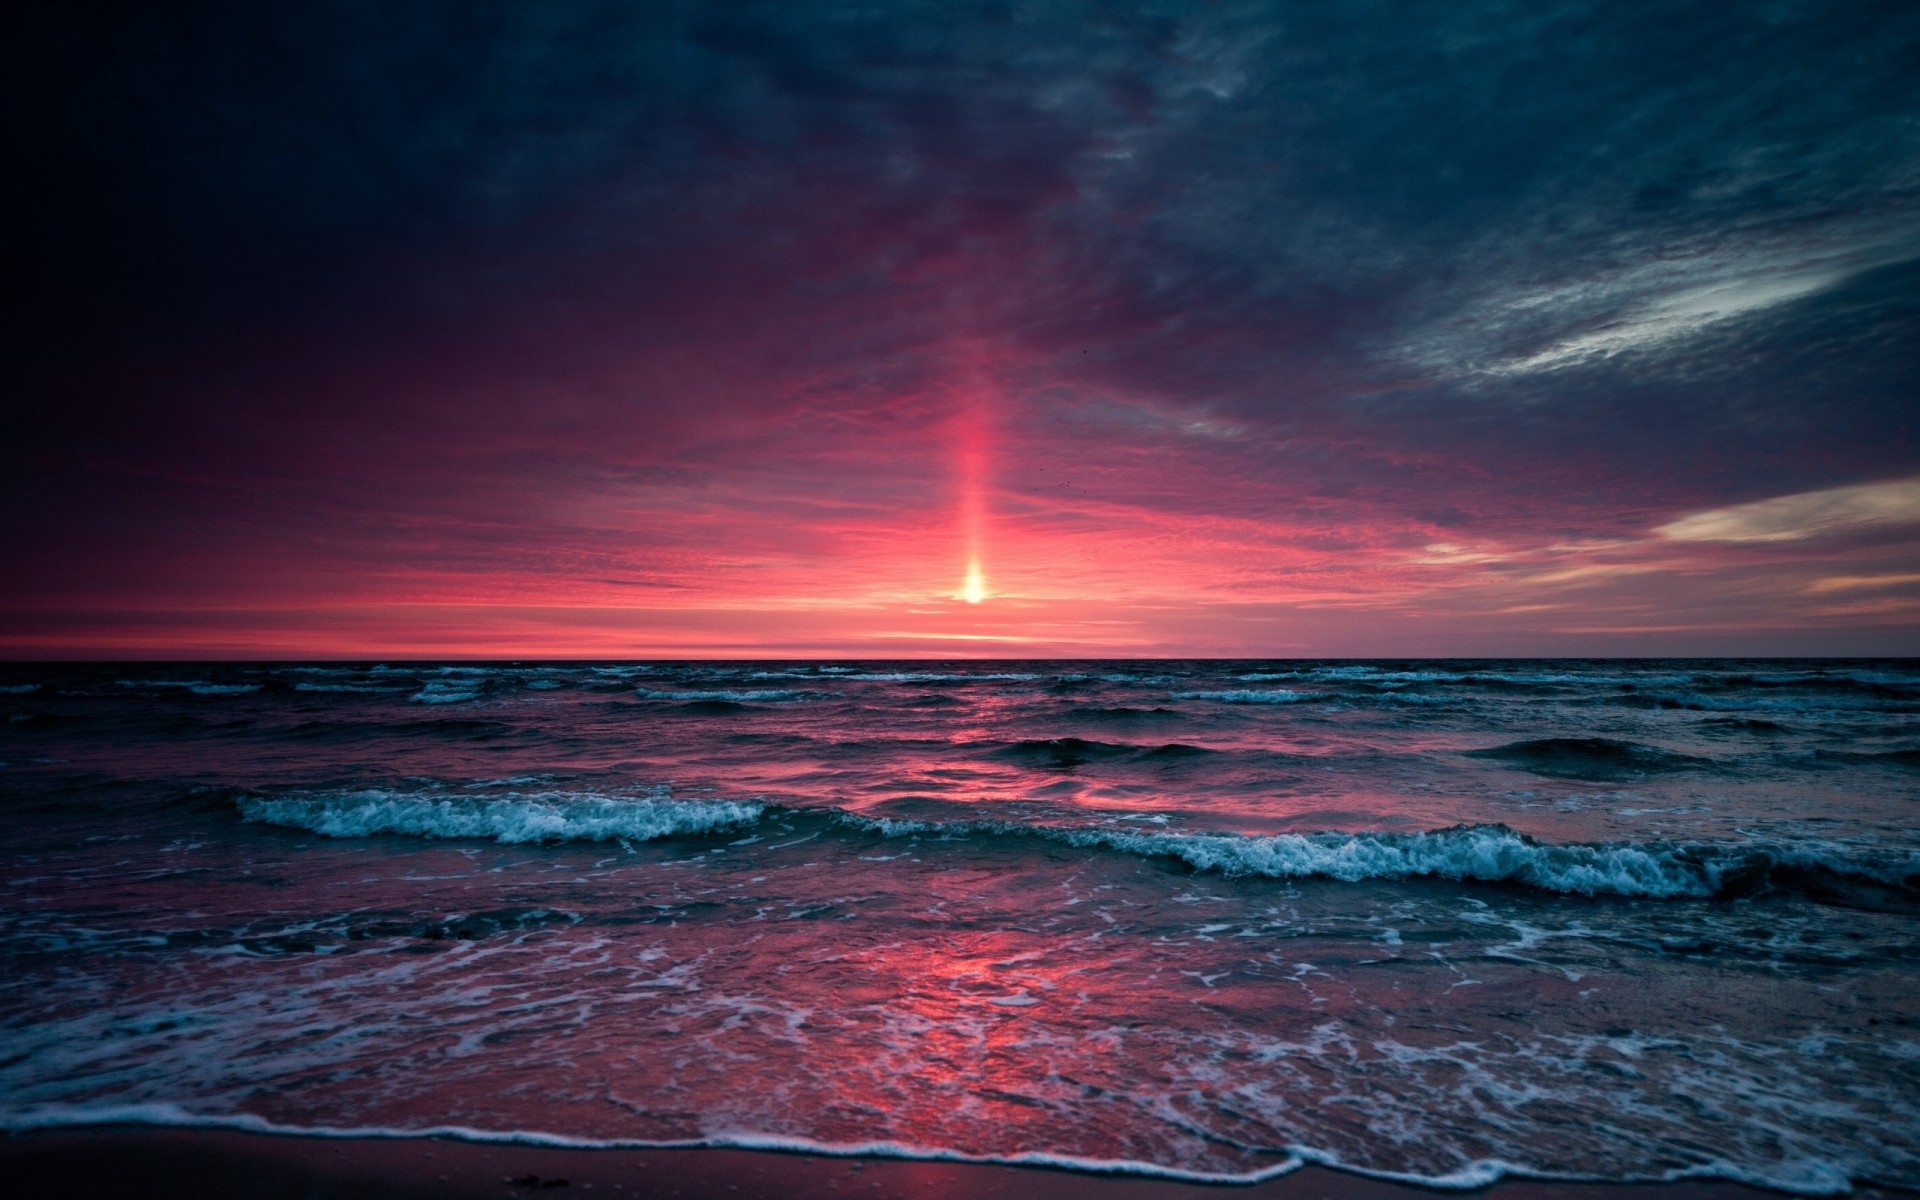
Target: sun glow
{"points": [[975, 589], [971, 433]]}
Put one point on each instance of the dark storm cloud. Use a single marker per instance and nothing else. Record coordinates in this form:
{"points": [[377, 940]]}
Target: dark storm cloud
{"points": [[1419, 162], [1529, 211]]}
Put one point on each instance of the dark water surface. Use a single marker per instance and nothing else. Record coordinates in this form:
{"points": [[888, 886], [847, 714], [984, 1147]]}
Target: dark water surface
{"points": [[1433, 920]]}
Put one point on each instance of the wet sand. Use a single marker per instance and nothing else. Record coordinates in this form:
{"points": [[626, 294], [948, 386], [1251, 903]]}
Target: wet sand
{"points": [[161, 1164]]}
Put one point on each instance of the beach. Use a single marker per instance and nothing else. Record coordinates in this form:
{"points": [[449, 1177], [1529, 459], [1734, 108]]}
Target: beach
{"points": [[164, 1164]]}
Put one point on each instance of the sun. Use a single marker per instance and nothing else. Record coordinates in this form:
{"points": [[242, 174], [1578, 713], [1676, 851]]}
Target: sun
{"points": [[975, 589]]}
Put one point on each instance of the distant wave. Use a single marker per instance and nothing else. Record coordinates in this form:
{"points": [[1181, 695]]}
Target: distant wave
{"points": [[446, 691], [1743, 725], [1880, 684], [196, 686], [510, 817], [457, 728], [1588, 758], [1068, 752], [1124, 712], [725, 695], [941, 676], [1824, 701], [1909, 757], [1250, 696]]}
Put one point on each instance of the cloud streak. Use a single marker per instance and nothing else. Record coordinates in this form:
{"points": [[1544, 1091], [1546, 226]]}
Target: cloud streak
{"points": [[1804, 515]]}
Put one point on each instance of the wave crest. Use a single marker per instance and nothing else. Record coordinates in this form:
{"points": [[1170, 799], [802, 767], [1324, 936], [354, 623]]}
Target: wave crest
{"points": [[1492, 854], [1476, 853], [510, 817]]}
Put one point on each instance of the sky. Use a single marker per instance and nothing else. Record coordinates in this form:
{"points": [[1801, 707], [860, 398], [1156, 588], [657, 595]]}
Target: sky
{"points": [[880, 330]]}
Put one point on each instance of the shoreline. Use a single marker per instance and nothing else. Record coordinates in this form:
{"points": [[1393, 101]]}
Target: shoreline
{"points": [[81, 1163]]}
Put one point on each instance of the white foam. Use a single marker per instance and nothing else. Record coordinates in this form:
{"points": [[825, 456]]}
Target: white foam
{"points": [[444, 691], [1795, 1178], [68, 1116], [513, 817]]}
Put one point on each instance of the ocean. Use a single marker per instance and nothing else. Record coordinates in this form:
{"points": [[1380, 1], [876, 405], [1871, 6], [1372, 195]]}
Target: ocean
{"points": [[1433, 921]]}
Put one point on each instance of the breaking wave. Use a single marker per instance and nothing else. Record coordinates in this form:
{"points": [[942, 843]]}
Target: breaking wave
{"points": [[511, 817], [1497, 854], [1492, 854]]}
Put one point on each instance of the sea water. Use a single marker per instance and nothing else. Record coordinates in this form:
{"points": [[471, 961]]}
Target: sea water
{"points": [[1435, 921]]}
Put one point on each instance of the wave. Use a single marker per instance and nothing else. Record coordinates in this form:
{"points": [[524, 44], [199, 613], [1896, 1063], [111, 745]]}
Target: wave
{"points": [[1740, 701], [927, 700], [1909, 757], [710, 708], [1069, 752], [1592, 758], [1879, 685], [1250, 696], [510, 817], [445, 691], [1499, 854], [726, 695], [1493, 854], [448, 727], [1742, 725], [942, 676], [1124, 712], [1478, 675], [196, 686]]}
